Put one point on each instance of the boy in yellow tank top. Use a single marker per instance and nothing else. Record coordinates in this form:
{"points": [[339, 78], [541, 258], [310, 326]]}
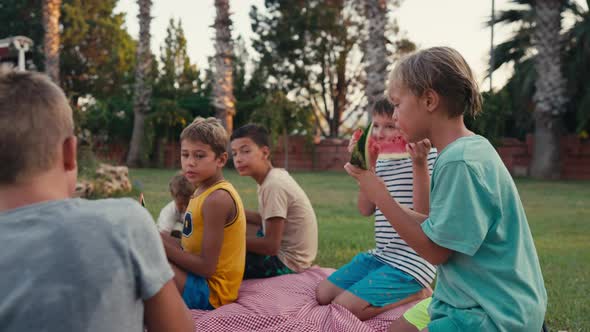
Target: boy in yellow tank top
{"points": [[209, 264]]}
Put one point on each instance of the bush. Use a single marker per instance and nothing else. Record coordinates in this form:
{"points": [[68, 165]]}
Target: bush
{"points": [[500, 118]]}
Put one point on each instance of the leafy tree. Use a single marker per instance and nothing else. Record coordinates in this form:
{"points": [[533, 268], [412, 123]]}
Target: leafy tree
{"points": [[250, 93], [178, 94], [98, 55], [284, 117], [310, 51]]}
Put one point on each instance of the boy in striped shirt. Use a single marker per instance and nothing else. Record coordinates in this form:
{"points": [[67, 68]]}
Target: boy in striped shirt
{"points": [[391, 274]]}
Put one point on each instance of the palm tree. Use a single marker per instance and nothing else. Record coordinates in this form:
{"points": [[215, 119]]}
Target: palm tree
{"points": [[376, 54], [550, 98], [51, 42], [577, 67], [142, 93], [541, 56], [223, 96]]}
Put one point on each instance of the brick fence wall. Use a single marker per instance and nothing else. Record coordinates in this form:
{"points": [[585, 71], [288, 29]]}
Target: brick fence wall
{"points": [[113, 153], [332, 154], [327, 154], [575, 157]]}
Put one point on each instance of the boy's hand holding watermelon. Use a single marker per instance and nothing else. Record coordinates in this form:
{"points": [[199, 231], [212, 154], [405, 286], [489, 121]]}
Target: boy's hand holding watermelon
{"points": [[363, 154], [365, 149]]}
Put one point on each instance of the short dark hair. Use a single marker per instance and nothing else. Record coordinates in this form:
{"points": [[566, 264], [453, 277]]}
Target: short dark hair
{"points": [[255, 132], [382, 106]]}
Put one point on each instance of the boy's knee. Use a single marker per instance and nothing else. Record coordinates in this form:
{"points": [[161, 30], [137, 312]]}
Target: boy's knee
{"points": [[352, 303], [323, 294]]}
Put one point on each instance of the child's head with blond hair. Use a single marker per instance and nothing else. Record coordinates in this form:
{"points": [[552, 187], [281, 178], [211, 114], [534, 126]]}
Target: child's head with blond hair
{"points": [[435, 81], [208, 131], [203, 146], [37, 135]]}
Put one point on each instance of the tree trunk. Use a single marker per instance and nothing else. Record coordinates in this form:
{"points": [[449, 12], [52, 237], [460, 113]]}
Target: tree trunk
{"points": [[550, 98], [142, 91], [51, 41], [546, 162], [223, 96], [134, 158], [376, 55], [339, 95]]}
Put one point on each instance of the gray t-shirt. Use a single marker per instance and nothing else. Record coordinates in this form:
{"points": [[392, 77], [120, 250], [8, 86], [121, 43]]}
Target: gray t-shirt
{"points": [[79, 265]]}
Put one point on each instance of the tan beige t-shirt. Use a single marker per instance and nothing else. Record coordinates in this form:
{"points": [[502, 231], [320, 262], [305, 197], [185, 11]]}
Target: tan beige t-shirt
{"points": [[280, 196]]}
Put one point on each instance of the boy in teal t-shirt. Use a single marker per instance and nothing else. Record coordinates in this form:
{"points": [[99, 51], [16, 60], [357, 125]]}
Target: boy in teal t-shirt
{"points": [[489, 277], [494, 271]]}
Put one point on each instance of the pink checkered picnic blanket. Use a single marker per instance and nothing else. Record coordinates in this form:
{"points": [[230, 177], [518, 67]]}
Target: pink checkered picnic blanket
{"points": [[287, 303]]}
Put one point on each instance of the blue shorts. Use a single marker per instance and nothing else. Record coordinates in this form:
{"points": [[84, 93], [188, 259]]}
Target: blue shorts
{"points": [[196, 293], [374, 281]]}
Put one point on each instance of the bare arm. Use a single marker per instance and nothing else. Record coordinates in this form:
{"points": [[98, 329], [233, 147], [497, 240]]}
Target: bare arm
{"points": [[218, 209], [271, 242], [170, 241], [166, 311], [421, 188], [421, 179], [405, 221], [253, 217], [365, 206]]}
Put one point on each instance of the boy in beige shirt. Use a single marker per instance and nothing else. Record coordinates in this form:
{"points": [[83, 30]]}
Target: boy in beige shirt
{"points": [[288, 237]]}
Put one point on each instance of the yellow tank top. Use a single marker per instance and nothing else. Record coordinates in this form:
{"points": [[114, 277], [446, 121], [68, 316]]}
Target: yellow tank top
{"points": [[225, 282]]}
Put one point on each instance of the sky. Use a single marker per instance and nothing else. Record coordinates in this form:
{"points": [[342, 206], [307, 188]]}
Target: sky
{"points": [[456, 23]]}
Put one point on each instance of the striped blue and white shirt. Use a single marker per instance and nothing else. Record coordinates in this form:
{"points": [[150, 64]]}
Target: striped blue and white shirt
{"points": [[391, 249]]}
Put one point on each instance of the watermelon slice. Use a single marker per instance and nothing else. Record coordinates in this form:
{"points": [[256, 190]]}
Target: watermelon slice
{"points": [[359, 152], [368, 150]]}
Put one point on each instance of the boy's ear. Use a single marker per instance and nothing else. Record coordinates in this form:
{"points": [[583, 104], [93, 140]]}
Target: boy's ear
{"points": [[70, 155], [265, 152], [431, 100], [222, 159]]}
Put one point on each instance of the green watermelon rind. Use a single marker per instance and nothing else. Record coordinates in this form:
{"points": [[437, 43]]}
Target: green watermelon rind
{"points": [[367, 152], [358, 158]]}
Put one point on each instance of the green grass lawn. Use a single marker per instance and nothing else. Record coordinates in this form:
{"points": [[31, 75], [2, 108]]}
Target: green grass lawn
{"points": [[558, 213]]}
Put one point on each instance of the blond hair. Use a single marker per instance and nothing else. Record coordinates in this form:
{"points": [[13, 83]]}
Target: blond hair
{"points": [[180, 187], [445, 71], [35, 118], [208, 131]]}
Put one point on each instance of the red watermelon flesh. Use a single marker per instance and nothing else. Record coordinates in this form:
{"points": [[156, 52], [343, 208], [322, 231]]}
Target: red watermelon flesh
{"points": [[357, 134], [394, 148]]}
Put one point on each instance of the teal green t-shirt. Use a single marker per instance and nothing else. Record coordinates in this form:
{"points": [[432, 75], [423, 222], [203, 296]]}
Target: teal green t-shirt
{"points": [[493, 279]]}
